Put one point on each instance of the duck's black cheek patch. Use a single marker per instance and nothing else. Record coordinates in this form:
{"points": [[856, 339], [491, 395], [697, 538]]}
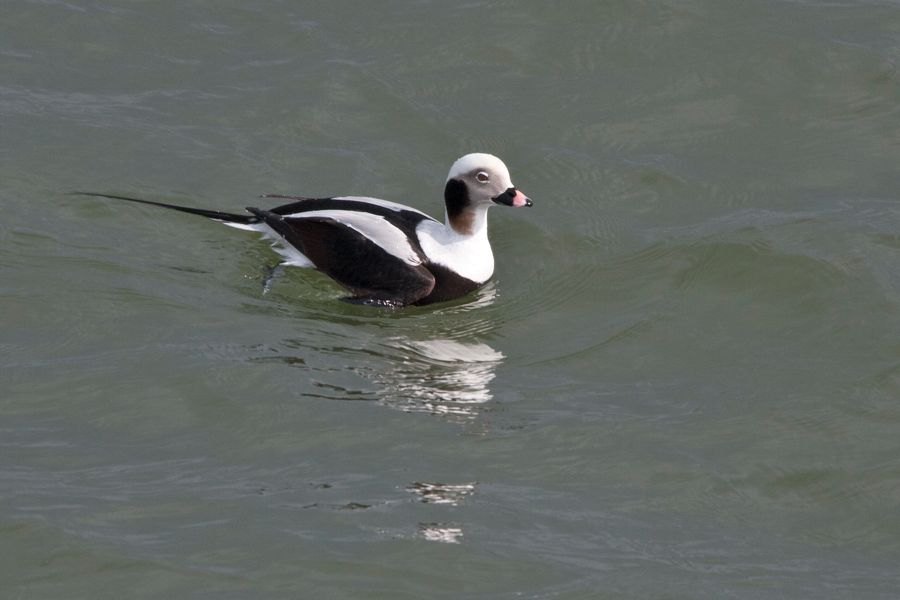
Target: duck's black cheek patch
{"points": [[456, 197]]}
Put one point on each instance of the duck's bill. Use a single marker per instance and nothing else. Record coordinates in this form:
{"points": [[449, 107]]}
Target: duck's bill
{"points": [[513, 197]]}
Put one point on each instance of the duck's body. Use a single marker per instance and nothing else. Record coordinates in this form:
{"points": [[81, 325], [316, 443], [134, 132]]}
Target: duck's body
{"points": [[388, 253]]}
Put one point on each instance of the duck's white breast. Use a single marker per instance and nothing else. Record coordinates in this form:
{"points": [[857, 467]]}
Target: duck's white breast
{"points": [[468, 255]]}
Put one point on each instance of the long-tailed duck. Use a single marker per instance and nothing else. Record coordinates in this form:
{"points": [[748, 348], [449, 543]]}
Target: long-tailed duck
{"points": [[387, 253]]}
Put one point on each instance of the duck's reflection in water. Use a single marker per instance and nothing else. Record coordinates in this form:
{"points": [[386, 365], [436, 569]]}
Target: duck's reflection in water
{"points": [[439, 376], [446, 494], [405, 362]]}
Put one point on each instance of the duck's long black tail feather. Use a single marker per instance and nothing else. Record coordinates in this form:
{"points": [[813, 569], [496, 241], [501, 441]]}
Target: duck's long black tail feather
{"points": [[212, 214]]}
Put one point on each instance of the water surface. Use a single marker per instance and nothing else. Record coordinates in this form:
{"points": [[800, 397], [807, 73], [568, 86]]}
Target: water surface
{"points": [[682, 382]]}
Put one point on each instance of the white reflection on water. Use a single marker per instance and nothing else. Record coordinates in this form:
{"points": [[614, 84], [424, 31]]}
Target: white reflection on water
{"points": [[439, 376], [448, 494], [442, 493], [440, 532]]}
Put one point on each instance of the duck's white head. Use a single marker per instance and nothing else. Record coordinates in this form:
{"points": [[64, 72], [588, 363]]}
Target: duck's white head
{"points": [[475, 182]]}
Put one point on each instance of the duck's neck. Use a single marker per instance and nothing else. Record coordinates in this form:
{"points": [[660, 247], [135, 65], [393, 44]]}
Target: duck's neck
{"points": [[470, 222], [461, 216]]}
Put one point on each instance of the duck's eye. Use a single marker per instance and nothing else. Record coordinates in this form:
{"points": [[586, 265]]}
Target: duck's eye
{"points": [[482, 177]]}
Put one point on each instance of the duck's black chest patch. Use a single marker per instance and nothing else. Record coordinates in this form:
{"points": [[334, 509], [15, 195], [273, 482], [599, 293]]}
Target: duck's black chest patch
{"points": [[447, 285]]}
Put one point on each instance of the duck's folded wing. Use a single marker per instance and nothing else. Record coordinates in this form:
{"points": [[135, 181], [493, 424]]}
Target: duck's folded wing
{"points": [[404, 218], [360, 250]]}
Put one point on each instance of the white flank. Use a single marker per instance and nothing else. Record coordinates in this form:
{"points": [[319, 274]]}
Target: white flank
{"points": [[291, 255], [257, 227]]}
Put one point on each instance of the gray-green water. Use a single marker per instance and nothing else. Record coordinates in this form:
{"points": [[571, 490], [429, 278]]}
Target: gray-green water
{"points": [[683, 382]]}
